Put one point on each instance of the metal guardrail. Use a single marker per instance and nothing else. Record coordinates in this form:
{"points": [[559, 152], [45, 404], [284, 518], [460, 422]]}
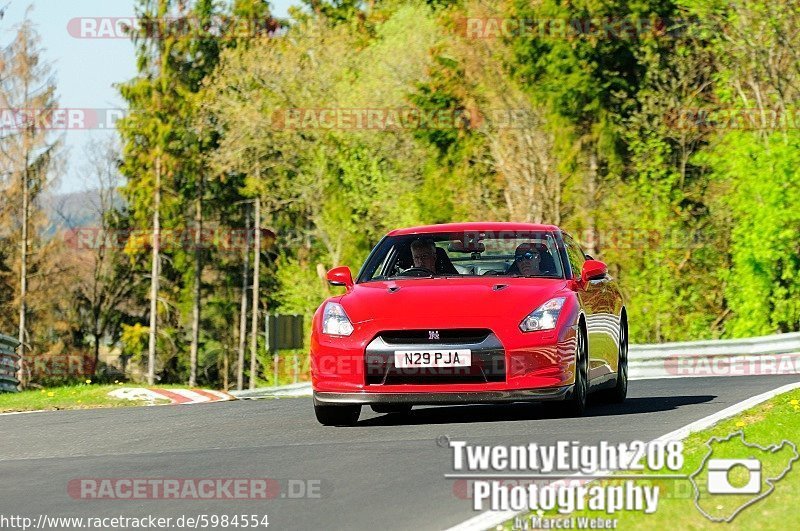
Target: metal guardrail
{"points": [[775, 354], [8, 364]]}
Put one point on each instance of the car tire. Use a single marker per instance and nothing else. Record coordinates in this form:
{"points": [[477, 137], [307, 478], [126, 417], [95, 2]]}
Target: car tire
{"points": [[575, 405], [397, 409], [339, 415], [620, 391]]}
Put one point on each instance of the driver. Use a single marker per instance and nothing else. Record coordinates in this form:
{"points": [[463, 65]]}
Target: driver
{"points": [[423, 253]]}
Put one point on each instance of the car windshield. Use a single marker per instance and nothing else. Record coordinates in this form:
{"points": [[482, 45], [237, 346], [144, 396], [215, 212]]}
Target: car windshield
{"points": [[466, 254]]}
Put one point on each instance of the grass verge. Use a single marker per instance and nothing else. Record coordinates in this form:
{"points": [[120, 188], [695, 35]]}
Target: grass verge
{"points": [[82, 396], [766, 424]]}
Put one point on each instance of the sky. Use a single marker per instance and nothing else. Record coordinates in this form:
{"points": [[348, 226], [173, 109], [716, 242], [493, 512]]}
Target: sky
{"points": [[85, 69]]}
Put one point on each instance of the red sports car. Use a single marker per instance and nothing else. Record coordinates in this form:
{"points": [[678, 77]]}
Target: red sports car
{"points": [[469, 313]]}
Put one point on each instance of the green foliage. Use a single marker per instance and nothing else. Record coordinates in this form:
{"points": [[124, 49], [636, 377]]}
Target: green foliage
{"points": [[337, 11], [301, 287], [598, 153], [763, 284]]}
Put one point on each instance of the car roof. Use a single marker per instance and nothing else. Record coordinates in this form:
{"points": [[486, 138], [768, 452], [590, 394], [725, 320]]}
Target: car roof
{"points": [[490, 226]]}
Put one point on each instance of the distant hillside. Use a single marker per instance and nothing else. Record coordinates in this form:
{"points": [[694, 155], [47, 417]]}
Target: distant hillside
{"points": [[72, 210]]}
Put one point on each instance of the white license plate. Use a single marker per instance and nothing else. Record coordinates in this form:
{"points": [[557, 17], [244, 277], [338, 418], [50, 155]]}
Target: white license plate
{"points": [[406, 359]]}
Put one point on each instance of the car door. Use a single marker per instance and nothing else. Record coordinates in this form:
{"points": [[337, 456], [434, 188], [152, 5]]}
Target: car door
{"points": [[598, 308]]}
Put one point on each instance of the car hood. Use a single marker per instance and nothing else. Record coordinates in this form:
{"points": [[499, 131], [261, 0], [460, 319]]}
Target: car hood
{"points": [[456, 297]]}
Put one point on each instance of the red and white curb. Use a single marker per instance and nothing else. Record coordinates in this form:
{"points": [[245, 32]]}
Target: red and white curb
{"points": [[174, 396]]}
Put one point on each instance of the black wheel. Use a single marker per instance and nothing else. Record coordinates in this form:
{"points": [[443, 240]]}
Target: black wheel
{"points": [[399, 409], [575, 405], [340, 415], [620, 391]]}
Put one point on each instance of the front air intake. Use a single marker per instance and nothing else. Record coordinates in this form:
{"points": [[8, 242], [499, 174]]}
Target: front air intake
{"points": [[450, 336]]}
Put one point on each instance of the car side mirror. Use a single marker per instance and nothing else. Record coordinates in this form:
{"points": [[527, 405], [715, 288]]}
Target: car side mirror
{"points": [[340, 276], [593, 270]]}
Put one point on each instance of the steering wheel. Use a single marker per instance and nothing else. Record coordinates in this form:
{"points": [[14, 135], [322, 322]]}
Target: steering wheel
{"points": [[491, 272], [416, 272]]}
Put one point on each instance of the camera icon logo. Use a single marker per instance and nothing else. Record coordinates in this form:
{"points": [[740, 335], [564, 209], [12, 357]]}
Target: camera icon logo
{"points": [[735, 474], [719, 472]]}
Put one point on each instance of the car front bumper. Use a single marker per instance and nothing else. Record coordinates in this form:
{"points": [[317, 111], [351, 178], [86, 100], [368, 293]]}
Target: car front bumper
{"points": [[432, 398], [531, 366]]}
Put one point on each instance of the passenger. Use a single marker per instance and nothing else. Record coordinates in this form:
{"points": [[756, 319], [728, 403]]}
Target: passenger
{"points": [[527, 261]]}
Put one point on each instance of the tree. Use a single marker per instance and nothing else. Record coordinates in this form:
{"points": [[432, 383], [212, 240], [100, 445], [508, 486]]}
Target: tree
{"points": [[752, 158], [173, 61], [28, 155], [203, 49], [149, 133], [254, 328], [243, 307], [104, 288], [588, 82]]}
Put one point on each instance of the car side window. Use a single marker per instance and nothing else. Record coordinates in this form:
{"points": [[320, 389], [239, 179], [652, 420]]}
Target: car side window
{"points": [[575, 254]]}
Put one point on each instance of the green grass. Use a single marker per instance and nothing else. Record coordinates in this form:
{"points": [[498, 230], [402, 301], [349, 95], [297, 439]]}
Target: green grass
{"points": [[766, 424], [83, 396]]}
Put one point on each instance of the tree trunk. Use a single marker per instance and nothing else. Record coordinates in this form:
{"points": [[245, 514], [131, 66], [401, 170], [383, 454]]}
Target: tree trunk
{"points": [[154, 274], [243, 306], [256, 277], [97, 337], [225, 369], [198, 274], [591, 192], [23, 274]]}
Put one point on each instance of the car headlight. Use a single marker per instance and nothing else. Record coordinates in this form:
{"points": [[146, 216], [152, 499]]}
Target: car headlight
{"points": [[544, 317], [335, 321]]}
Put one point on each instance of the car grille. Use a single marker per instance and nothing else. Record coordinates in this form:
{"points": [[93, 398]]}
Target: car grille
{"points": [[488, 358], [453, 336]]}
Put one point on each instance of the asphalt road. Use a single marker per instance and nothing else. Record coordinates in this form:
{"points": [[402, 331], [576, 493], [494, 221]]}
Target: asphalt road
{"points": [[384, 473]]}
